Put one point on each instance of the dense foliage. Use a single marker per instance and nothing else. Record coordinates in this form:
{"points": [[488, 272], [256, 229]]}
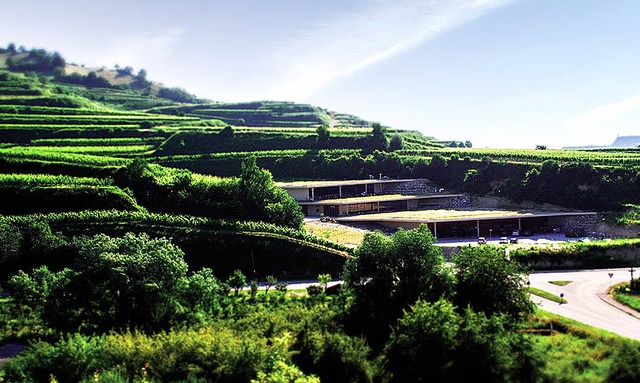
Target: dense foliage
{"points": [[139, 282], [388, 274], [488, 281], [432, 342], [134, 281]]}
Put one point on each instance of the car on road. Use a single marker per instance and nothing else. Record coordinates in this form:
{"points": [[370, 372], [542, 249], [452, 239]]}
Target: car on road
{"points": [[513, 240], [504, 240], [482, 241]]}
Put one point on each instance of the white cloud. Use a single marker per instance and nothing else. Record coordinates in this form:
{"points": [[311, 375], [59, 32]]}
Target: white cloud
{"points": [[351, 42], [142, 48], [604, 113]]}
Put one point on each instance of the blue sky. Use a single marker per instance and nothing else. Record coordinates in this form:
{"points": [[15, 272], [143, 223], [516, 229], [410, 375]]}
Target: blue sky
{"points": [[500, 73]]}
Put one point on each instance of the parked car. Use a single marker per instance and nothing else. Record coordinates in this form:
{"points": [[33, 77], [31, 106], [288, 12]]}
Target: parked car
{"points": [[515, 233], [504, 240], [513, 240], [482, 240]]}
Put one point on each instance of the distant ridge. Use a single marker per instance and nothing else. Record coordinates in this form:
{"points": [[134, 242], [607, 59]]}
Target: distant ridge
{"points": [[620, 142], [626, 142]]}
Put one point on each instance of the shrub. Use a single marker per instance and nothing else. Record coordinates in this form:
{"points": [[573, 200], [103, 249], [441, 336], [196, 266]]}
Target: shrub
{"points": [[489, 281], [334, 357], [115, 283], [626, 364], [432, 342]]}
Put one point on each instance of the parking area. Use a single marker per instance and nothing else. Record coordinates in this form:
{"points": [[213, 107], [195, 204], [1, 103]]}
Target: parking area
{"points": [[535, 239]]}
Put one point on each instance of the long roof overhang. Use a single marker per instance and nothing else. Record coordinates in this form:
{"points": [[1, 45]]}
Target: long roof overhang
{"points": [[318, 184], [516, 215], [376, 199]]}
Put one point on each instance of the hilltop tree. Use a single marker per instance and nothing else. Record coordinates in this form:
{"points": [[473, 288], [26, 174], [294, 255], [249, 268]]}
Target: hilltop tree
{"points": [[37, 60], [142, 75], [141, 79], [378, 139], [12, 48], [128, 71], [323, 136], [396, 143]]}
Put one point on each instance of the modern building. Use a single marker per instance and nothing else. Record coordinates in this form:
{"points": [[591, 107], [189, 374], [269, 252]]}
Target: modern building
{"points": [[470, 223], [339, 198], [407, 203]]}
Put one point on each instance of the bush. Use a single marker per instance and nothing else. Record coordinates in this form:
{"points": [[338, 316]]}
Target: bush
{"points": [[210, 354], [432, 342], [626, 364], [334, 357], [489, 281], [115, 283]]}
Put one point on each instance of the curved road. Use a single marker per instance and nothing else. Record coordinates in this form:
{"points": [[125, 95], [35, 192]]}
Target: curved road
{"points": [[587, 301]]}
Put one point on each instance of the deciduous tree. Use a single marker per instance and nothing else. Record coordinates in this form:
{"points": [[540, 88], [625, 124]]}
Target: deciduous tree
{"points": [[434, 342], [386, 275], [488, 281]]}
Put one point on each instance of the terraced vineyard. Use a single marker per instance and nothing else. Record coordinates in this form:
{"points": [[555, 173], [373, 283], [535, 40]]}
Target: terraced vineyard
{"points": [[89, 152], [68, 146], [599, 157]]}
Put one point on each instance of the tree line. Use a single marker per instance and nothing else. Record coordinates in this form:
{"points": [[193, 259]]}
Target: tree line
{"points": [[402, 314]]}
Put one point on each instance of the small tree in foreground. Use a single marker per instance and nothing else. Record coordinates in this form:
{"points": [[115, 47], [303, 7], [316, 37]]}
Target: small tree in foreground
{"points": [[323, 281], [237, 281], [271, 281]]}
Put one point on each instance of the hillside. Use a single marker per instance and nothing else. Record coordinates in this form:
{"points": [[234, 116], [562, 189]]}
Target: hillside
{"points": [[71, 112]]}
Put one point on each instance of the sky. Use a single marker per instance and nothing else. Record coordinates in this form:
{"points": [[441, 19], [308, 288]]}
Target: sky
{"points": [[498, 73]]}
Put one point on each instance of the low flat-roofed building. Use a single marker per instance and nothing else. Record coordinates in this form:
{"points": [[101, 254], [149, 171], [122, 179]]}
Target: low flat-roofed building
{"points": [[447, 223]]}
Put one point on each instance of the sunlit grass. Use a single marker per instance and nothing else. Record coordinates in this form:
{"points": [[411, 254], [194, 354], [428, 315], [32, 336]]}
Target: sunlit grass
{"points": [[575, 352], [630, 300], [546, 295], [560, 283], [341, 234]]}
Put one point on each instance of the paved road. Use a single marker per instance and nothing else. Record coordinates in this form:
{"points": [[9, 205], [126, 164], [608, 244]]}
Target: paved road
{"points": [[10, 350], [587, 302]]}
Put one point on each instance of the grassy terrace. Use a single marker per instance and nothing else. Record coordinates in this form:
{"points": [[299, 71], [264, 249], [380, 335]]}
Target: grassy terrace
{"points": [[99, 149], [602, 157], [448, 215], [124, 141]]}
